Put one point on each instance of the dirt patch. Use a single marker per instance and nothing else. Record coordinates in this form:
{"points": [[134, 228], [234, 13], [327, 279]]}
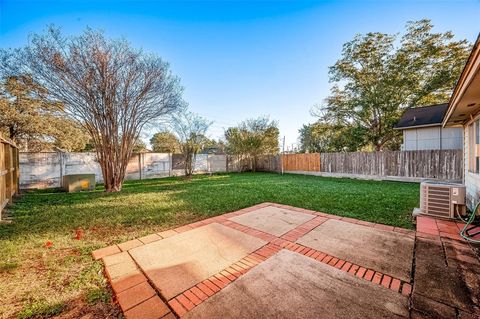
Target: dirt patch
{"points": [[79, 309]]}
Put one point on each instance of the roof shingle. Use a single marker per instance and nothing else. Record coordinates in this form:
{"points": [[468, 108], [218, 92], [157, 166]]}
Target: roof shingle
{"points": [[422, 116]]}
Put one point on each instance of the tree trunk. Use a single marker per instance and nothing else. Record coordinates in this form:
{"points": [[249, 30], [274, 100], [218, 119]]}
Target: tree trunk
{"points": [[113, 164], [188, 164], [11, 133]]}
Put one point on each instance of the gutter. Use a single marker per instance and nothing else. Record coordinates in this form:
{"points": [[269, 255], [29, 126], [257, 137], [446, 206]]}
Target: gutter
{"points": [[416, 126], [460, 83]]}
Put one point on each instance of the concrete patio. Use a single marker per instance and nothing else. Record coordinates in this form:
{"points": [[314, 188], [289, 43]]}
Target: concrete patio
{"points": [[286, 262]]}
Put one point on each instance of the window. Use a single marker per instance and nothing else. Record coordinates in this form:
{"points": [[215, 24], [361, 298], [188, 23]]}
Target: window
{"points": [[474, 147]]}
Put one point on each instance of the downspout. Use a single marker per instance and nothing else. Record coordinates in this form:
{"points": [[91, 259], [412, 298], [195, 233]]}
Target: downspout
{"points": [[440, 155]]}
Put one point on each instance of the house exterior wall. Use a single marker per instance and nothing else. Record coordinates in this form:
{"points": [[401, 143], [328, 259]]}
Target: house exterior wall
{"points": [[432, 138], [471, 180]]}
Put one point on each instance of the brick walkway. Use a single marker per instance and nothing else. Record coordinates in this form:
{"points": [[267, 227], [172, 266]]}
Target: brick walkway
{"points": [[140, 298], [447, 272]]}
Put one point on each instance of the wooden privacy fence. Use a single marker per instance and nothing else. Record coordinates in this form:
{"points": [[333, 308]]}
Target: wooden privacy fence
{"points": [[265, 163], [403, 165], [9, 172], [301, 162], [435, 164]]}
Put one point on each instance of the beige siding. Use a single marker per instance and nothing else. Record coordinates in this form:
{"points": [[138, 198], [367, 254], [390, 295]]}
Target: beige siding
{"points": [[452, 138], [432, 138], [472, 181]]}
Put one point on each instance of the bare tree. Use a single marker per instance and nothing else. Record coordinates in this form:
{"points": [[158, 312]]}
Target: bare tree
{"points": [[108, 87], [190, 130]]}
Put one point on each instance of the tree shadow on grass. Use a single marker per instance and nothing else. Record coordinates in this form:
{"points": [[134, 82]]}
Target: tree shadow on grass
{"points": [[170, 201]]}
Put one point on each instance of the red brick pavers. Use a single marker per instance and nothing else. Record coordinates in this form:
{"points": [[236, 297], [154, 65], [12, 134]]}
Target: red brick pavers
{"points": [[150, 309], [107, 251], [450, 259], [138, 298], [433, 228], [197, 294]]}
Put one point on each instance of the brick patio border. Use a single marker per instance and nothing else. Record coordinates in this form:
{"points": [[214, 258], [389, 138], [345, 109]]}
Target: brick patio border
{"points": [[447, 231], [138, 298]]}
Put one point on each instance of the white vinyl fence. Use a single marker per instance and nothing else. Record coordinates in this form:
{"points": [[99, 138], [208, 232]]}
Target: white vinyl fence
{"points": [[46, 170]]}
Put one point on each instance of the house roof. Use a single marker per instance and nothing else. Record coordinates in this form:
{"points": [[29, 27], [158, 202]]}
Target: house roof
{"points": [[465, 99], [430, 115]]}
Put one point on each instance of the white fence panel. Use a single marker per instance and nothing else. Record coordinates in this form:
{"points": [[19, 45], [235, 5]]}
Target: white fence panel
{"points": [[45, 170]]}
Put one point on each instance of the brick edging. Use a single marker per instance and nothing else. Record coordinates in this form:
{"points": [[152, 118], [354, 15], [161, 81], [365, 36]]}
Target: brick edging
{"points": [[287, 241], [195, 295]]}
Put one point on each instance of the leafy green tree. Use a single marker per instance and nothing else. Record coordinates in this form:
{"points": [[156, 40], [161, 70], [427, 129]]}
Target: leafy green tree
{"points": [[252, 138], [33, 121], [165, 142], [140, 146], [322, 137], [379, 75], [212, 146]]}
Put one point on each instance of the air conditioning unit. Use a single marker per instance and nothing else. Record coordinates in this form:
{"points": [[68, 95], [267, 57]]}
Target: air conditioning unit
{"points": [[442, 199]]}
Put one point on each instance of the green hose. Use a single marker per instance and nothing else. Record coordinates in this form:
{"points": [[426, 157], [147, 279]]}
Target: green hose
{"points": [[468, 222]]}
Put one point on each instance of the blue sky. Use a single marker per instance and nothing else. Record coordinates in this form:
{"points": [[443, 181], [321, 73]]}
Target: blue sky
{"points": [[240, 60]]}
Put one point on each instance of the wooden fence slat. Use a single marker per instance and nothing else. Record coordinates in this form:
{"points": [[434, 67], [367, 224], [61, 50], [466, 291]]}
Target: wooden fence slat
{"points": [[9, 172], [301, 162], [434, 164]]}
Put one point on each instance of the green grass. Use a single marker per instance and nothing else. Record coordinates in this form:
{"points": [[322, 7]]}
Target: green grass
{"points": [[41, 310], [65, 273]]}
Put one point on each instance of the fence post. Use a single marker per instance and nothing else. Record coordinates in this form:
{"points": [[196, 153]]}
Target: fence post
{"points": [[208, 164], [62, 167], [281, 162], [9, 176], [8, 172], [16, 173], [140, 166]]}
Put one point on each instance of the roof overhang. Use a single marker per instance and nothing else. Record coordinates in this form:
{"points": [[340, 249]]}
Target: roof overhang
{"points": [[417, 126], [465, 100]]}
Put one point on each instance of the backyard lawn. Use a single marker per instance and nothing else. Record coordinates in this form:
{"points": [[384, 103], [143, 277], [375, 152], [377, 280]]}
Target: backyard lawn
{"points": [[46, 267]]}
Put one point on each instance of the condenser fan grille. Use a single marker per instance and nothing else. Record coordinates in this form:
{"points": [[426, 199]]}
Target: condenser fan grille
{"points": [[441, 199], [438, 201]]}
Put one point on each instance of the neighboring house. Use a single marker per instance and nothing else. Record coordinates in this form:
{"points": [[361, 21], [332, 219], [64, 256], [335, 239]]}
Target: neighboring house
{"points": [[422, 129], [464, 110]]}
